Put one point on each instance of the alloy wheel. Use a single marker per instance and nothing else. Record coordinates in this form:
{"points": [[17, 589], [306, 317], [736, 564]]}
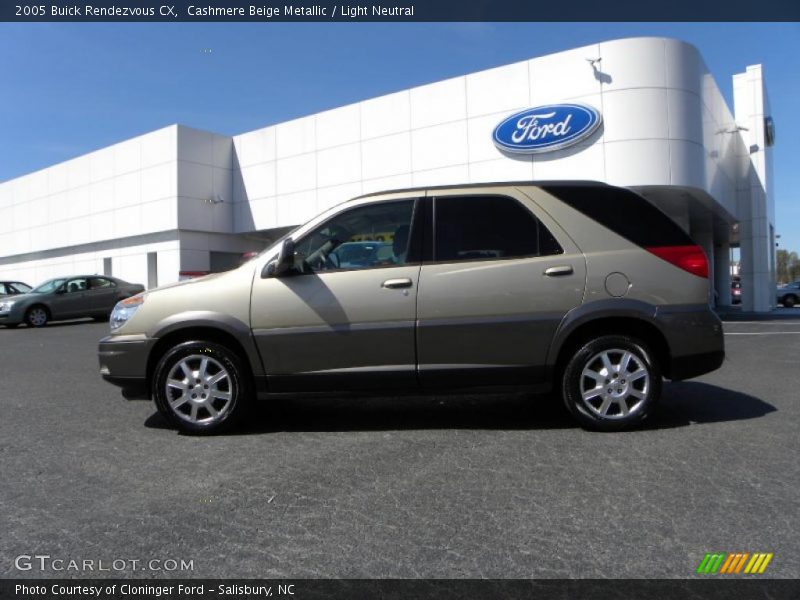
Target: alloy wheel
{"points": [[614, 384], [198, 389]]}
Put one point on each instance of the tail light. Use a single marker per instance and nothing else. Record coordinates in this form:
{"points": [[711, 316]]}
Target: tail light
{"points": [[689, 258]]}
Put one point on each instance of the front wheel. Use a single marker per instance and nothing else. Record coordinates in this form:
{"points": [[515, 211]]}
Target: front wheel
{"points": [[201, 387], [37, 316], [612, 383], [789, 301]]}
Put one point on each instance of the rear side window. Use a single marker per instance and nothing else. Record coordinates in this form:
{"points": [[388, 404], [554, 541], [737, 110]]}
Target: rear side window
{"points": [[624, 212], [101, 282], [488, 227]]}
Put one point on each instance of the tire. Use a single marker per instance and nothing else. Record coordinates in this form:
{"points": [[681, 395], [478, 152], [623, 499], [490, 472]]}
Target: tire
{"points": [[12, 325], [620, 402], [789, 301], [37, 316], [191, 401]]}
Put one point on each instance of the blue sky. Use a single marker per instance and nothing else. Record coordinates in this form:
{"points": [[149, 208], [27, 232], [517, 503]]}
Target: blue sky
{"points": [[67, 89]]}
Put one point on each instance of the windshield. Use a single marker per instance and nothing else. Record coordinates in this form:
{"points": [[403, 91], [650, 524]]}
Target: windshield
{"points": [[48, 286]]}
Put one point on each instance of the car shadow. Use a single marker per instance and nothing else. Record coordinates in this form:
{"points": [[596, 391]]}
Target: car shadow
{"points": [[694, 402], [52, 324], [683, 403]]}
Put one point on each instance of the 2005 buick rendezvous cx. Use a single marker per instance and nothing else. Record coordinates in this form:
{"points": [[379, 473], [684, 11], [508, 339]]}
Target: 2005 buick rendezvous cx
{"points": [[579, 286]]}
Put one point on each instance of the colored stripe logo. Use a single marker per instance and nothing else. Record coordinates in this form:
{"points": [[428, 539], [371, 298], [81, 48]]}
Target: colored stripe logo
{"points": [[734, 563]]}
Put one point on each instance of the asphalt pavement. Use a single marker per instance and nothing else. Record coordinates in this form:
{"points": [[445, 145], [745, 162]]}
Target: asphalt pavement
{"points": [[444, 487]]}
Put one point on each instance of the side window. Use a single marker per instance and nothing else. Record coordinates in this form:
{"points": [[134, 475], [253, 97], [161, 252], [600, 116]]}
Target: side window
{"points": [[97, 283], [3, 291], [375, 235], [76, 285], [488, 227]]}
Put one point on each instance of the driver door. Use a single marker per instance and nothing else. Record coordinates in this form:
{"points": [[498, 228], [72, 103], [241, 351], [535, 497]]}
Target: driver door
{"points": [[72, 302], [334, 325]]}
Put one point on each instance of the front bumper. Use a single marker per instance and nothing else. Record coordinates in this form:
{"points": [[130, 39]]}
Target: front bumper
{"points": [[13, 317], [123, 362]]}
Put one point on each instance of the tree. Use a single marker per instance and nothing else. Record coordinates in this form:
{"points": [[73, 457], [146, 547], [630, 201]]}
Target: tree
{"points": [[787, 266]]}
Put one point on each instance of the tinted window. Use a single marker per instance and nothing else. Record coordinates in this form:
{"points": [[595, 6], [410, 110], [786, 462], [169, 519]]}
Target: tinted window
{"points": [[375, 235], [624, 212], [488, 227], [101, 282]]}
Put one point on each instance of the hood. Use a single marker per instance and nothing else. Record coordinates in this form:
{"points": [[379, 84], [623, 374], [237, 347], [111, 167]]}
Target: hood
{"points": [[167, 286]]}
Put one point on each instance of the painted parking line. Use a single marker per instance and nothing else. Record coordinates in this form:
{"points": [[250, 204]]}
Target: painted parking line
{"points": [[779, 322], [762, 333]]}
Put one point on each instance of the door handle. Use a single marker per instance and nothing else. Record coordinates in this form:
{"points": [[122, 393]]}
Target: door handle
{"points": [[558, 271], [394, 284]]}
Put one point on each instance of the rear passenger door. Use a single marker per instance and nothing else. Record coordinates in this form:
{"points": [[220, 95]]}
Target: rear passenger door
{"points": [[502, 275]]}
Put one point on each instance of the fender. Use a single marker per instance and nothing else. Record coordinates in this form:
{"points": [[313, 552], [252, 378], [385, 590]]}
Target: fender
{"points": [[212, 320], [599, 309]]}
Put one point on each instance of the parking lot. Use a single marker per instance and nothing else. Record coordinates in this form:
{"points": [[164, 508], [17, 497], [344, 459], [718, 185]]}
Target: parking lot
{"points": [[461, 487]]}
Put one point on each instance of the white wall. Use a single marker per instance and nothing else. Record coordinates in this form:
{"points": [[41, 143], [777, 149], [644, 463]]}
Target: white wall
{"points": [[128, 263], [205, 181], [123, 190], [756, 210], [662, 113]]}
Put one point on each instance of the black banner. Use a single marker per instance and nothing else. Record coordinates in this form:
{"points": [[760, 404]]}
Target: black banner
{"points": [[402, 589], [397, 10]]}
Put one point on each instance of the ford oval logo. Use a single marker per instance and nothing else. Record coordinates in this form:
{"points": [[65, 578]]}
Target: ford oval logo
{"points": [[546, 128]]}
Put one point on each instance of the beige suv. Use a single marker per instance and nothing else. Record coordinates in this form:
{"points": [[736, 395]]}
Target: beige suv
{"points": [[581, 287]]}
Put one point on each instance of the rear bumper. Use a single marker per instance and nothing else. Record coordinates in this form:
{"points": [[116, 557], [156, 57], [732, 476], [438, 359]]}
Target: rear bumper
{"points": [[695, 339], [694, 365], [123, 362]]}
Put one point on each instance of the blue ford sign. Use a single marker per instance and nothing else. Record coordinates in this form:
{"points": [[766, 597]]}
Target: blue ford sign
{"points": [[546, 128]]}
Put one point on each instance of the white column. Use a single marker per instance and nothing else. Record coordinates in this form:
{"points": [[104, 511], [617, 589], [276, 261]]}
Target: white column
{"points": [[755, 201]]}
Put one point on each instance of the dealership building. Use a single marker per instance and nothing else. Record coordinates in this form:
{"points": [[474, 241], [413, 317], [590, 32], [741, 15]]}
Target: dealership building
{"points": [[180, 200]]}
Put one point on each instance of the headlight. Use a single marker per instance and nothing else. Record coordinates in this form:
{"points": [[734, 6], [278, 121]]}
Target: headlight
{"points": [[6, 306], [124, 310]]}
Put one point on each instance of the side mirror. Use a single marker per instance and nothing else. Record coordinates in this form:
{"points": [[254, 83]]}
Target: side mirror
{"points": [[61, 290], [283, 263]]}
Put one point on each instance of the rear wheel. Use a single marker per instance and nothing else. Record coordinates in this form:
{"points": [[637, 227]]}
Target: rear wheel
{"points": [[789, 301], [201, 387], [611, 383], [37, 316]]}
